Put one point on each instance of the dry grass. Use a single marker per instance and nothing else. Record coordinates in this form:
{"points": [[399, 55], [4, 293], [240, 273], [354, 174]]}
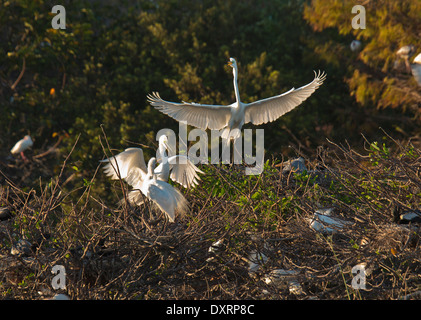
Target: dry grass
{"points": [[120, 252]]}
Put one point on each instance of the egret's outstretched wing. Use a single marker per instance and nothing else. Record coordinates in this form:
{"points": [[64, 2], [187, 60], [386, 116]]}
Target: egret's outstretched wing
{"points": [[214, 117], [270, 109], [183, 171], [135, 177], [124, 162]]}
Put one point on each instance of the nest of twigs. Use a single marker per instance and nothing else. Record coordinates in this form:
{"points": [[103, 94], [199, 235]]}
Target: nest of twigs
{"points": [[246, 237]]}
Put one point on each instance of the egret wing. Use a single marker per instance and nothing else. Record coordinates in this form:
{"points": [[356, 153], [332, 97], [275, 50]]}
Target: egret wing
{"points": [[135, 177], [183, 171], [270, 109], [123, 162], [214, 117]]}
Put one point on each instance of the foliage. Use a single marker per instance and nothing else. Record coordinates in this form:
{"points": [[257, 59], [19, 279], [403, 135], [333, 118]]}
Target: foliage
{"points": [[123, 252], [99, 69], [102, 66], [82, 92], [376, 77]]}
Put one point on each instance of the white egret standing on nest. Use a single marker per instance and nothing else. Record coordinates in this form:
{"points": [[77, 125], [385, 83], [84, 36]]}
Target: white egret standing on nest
{"points": [[21, 146], [233, 116], [168, 199]]}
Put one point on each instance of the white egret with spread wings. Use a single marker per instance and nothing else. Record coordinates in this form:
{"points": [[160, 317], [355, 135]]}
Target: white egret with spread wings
{"points": [[235, 115]]}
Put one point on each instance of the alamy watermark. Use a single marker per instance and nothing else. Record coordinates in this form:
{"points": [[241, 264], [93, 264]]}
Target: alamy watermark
{"points": [[358, 22], [59, 280], [359, 280], [198, 152], [59, 21]]}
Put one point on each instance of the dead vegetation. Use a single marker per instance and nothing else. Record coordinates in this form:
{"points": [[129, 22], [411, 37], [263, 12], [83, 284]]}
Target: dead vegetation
{"points": [[246, 237]]}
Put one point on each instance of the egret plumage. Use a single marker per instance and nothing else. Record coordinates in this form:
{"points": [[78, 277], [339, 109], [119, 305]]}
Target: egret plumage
{"points": [[152, 180], [131, 162], [167, 198], [235, 115], [178, 168]]}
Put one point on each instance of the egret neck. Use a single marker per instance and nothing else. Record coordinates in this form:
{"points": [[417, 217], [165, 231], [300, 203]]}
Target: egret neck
{"points": [[237, 93]]}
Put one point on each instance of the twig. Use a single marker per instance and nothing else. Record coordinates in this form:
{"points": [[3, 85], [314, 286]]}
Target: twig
{"points": [[13, 86], [50, 149]]}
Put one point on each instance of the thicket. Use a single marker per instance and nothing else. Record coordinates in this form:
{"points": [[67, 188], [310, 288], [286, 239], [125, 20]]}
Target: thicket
{"points": [[69, 89]]}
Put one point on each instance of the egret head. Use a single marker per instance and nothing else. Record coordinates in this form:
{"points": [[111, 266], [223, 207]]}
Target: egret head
{"points": [[163, 140], [232, 63], [163, 146]]}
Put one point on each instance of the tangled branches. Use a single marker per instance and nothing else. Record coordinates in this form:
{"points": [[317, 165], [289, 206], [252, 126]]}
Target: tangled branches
{"points": [[245, 237]]}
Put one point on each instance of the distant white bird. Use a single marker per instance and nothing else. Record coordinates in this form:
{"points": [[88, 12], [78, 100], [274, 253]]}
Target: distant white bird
{"points": [[130, 164], [168, 199], [21, 146], [233, 116], [411, 216], [405, 53], [416, 68], [355, 45], [296, 165], [325, 223]]}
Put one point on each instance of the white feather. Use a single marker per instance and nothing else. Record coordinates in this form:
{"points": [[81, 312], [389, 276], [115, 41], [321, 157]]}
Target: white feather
{"points": [[22, 145]]}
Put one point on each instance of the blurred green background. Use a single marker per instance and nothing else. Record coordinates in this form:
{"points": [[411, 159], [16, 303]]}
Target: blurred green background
{"points": [[99, 70]]}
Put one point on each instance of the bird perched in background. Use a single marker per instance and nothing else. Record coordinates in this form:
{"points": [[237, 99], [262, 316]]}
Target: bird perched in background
{"points": [[21, 146], [405, 216], [355, 45], [416, 69], [405, 53], [232, 117]]}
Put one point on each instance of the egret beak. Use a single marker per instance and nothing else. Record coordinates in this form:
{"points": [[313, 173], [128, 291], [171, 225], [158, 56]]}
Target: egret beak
{"points": [[230, 64]]}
